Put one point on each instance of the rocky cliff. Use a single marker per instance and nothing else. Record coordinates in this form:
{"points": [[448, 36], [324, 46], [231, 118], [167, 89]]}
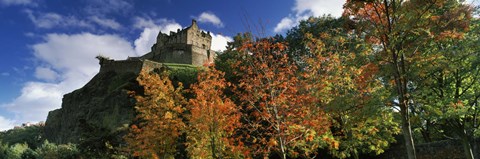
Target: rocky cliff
{"points": [[103, 104], [102, 110]]}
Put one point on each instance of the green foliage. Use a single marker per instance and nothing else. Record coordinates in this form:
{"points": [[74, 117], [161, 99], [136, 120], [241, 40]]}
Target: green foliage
{"points": [[31, 135], [46, 150], [3, 149], [297, 36], [15, 151], [52, 151], [99, 141], [447, 90], [186, 74], [30, 154], [345, 79]]}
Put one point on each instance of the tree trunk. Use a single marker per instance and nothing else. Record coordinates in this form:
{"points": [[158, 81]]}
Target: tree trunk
{"points": [[401, 86], [475, 149], [407, 133], [467, 147], [282, 148]]}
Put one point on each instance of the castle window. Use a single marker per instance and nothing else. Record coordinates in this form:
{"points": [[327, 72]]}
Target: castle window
{"points": [[203, 46]]}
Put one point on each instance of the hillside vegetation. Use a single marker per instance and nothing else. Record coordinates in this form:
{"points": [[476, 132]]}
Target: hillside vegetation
{"points": [[386, 72]]}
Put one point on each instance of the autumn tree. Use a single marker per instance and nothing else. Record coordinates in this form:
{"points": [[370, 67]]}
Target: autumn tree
{"points": [[159, 123], [449, 89], [213, 118], [399, 29], [345, 80], [227, 60], [297, 37], [279, 115]]}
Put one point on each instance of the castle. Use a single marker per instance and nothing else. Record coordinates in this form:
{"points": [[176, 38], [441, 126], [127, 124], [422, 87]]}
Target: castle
{"points": [[187, 46]]}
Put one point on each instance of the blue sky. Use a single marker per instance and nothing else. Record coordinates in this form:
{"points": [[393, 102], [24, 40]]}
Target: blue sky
{"points": [[47, 47]]}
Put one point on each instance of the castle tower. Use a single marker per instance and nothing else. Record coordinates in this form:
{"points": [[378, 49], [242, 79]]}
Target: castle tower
{"points": [[187, 46]]}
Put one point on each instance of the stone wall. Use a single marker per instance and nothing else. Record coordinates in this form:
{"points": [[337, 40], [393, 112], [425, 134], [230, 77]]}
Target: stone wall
{"points": [[128, 66], [447, 149], [175, 38], [201, 56], [121, 66], [150, 65], [188, 46], [178, 53], [199, 38]]}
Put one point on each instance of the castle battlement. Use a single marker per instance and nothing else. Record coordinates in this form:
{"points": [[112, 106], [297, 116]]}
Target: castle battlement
{"points": [[191, 35], [133, 65], [190, 45], [187, 46]]}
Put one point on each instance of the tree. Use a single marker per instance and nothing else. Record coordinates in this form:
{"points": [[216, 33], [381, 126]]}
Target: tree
{"points": [[449, 88], [53, 151], [226, 60], [399, 29], [213, 118], [160, 107], [345, 79], [15, 151], [297, 39], [279, 114], [32, 135], [3, 149]]}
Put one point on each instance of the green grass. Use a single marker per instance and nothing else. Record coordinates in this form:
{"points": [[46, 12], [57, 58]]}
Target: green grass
{"points": [[185, 73]]}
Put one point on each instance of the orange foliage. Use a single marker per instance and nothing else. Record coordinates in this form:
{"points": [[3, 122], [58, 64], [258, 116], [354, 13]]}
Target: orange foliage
{"points": [[159, 118], [213, 118], [279, 113]]}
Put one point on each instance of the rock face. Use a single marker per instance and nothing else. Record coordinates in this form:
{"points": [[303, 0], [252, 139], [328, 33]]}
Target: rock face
{"points": [[102, 110], [103, 105]]}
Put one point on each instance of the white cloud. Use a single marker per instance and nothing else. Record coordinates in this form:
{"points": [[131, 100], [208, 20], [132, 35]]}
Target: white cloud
{"points": [[103, 7], [219, 42], [151, 28], [77, 52], [30, 34], [35, 101], [306, 8], [5, 74], [107, 23], [319, 7], [51, 20], [147, 38], [6, 124], [165, 25], [141, 23], [285, 23], [17, 2], [73, 59], [209, 17], [47, 74]]}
